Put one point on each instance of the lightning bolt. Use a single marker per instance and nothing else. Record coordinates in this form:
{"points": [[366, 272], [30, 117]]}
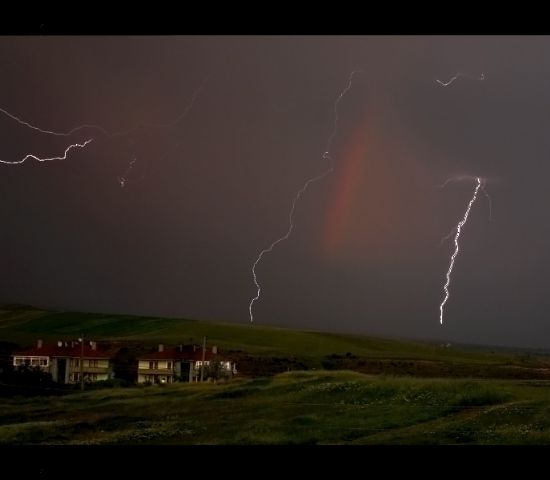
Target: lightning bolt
{"points": [[482, 188], [446, 237], [122, 179], [104, 130], [48, 159], [446, 84], [456, 179], [326, 156], [455, 253]]}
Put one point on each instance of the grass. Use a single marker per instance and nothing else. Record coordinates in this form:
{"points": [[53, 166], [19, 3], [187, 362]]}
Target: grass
{"points": [[24, 325], [290, 408], [420, 398], [263, 350]]}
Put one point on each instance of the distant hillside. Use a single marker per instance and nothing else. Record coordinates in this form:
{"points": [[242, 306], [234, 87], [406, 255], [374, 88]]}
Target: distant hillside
{"points": [[24, 325]]}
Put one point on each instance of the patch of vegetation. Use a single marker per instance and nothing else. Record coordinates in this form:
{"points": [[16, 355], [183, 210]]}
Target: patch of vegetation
{"points": [[321, 407]]}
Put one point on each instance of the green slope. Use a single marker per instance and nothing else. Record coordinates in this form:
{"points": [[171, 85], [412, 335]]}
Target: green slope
{"points": [[24, 325], [296, 407]]}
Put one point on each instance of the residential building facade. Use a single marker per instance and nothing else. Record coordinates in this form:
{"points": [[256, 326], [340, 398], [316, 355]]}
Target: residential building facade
{"points": [[67, 361], [181, 363]]}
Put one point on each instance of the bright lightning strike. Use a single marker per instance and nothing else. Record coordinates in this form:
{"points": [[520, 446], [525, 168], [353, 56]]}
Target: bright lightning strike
{"points": [[453, 257], [326, 156], [482, 188], [123, 179], [48, 159], [458, 75]]}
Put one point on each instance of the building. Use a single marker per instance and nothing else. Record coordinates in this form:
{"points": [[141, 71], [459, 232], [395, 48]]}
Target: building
{"points": [[181, 363], [161, 366], [66, 361]]}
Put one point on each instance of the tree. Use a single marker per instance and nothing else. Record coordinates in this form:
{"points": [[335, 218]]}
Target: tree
{"points": [[124, 365], [216, 371], [34, 376], [6, 365]]}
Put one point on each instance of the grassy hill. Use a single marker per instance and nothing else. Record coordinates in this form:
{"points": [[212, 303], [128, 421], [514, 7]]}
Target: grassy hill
{"points": [[418, 399], [261, 350], [289, 408], [24, 325]]}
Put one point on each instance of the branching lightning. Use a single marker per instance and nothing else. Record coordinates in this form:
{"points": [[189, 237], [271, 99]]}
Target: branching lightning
{"points": [[102, 129], [482, 188], [48, 159], [122, 179], [455, 253], [326, 156], [446, 84], [449, 235]]}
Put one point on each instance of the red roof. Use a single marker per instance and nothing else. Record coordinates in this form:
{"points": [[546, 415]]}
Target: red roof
{"points": [[64, 351]]}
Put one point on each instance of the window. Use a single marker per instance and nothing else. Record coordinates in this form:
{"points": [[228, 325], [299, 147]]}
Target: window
{"points": [[43, 362], [153, 365], [76, 362], [169, 365], [93, 363]]}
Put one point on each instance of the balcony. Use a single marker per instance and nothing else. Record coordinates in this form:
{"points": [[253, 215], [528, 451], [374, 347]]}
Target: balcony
{"points": [[89, 369], [156, 371]]}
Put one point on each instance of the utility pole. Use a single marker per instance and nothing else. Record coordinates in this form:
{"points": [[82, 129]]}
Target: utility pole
{"points": [[203, 355], [81, 363]]}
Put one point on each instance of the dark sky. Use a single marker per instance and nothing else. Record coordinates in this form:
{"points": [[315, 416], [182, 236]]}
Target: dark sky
{"points": [[206, 195]]}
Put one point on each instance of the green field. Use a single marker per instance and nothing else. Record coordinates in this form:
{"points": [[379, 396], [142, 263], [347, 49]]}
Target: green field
{"points": [[290, 408], [425, 394], [24, 325], [266, 350]]}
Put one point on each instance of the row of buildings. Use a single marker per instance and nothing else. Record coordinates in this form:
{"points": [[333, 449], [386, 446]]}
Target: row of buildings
{"points": [[70, 362]]}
